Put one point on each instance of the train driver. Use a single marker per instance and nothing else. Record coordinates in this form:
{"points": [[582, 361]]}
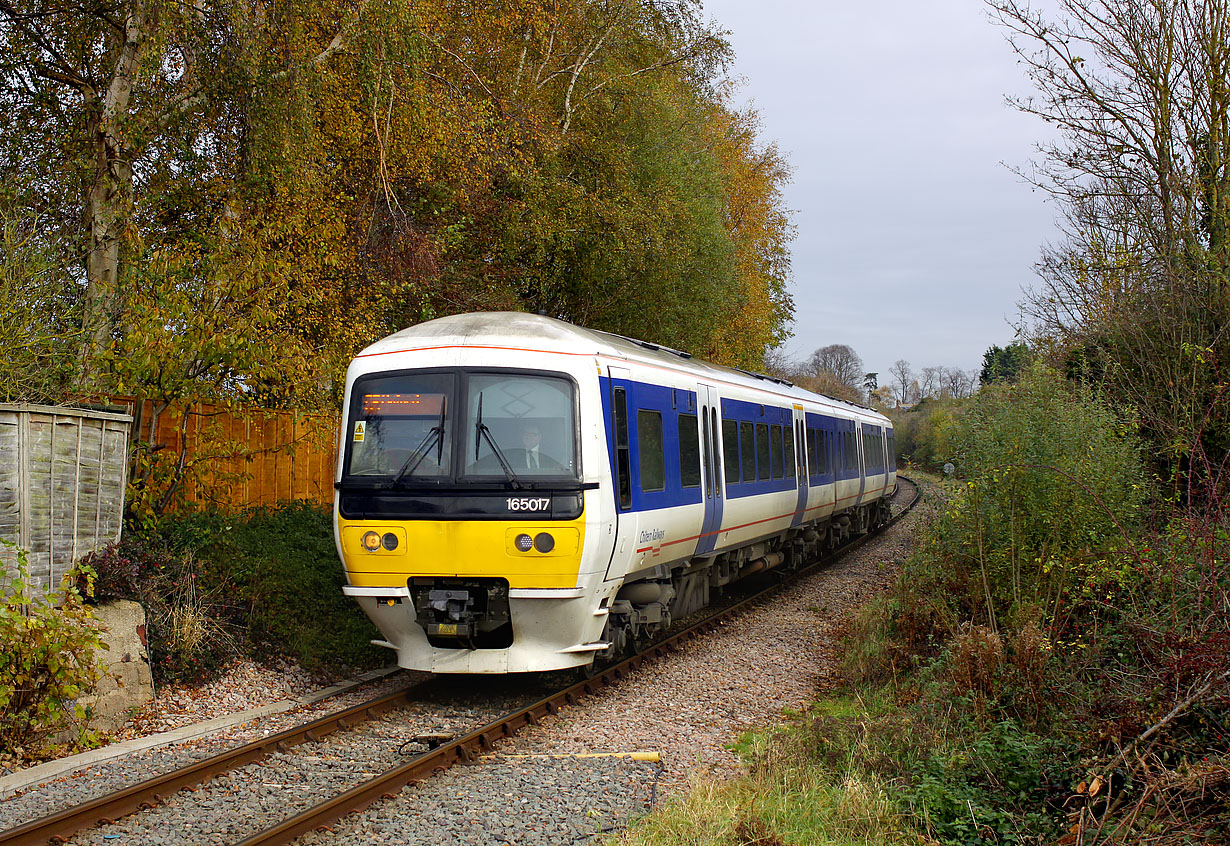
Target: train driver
{"points": [[535, 458]]}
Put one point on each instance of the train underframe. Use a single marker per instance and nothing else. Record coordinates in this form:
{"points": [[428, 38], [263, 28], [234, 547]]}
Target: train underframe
{"points": [[646, 607]]}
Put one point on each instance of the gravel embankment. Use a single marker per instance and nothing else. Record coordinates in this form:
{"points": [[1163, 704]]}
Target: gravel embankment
{"points": [[688, 707]]}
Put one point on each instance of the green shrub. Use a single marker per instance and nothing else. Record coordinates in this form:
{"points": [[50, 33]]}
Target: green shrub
{"points": [[284, 563], [48, 657], [265, 582], [1052, 495], [1000, 784]]}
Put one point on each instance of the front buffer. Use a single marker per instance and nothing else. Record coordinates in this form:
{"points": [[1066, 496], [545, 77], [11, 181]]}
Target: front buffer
{"points": [[475, 596]]}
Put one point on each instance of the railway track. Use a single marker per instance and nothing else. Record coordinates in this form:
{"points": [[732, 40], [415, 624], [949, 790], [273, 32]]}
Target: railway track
{"points": [[56, 828]]}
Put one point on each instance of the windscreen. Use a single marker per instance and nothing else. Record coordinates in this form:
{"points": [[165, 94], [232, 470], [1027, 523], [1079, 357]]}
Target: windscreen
{"points": [[528, 421], [399, 426]]}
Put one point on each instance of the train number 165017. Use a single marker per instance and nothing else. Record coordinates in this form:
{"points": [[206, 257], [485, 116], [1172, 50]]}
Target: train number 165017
{"points": [[528, 503]]}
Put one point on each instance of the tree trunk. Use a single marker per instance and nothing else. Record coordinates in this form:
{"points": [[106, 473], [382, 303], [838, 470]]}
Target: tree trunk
{"points": [[108, 201], [108, 205]]}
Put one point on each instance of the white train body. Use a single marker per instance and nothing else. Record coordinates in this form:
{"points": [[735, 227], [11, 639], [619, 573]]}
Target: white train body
{"points": [[517, 494]]}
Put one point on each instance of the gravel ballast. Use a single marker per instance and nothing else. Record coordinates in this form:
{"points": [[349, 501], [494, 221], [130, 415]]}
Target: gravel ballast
{"points": [[688, 707]]}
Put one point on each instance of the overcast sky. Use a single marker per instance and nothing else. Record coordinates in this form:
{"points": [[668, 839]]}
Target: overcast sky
{"points": [[914, 238]]}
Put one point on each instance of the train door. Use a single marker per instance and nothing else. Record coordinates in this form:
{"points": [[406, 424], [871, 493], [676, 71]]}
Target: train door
{"points": [[711, 464], [625, 520], [860, 461], [800, 463]]}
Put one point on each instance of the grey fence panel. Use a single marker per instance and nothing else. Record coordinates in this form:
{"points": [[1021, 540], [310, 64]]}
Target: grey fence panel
{"points": [[62, 478]]}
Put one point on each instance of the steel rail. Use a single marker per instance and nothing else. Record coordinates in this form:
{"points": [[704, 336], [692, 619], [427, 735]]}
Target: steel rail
{"points": [[55, 828], [481, 741]]}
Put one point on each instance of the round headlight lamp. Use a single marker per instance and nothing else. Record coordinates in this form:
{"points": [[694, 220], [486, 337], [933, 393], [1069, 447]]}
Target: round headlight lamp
{"points": [[371, 541], [389, 541], [524, 542], [543, 542]]}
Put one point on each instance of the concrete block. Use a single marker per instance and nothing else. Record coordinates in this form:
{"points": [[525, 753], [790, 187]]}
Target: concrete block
{"points": [[127, 682]]}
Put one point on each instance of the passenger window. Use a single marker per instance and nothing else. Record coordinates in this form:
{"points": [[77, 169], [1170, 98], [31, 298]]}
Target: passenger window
{"points": [[813, 453], [788, 463], [689, 452], [775, 438], [730, 450], [747, 451], [651, 450], [763, 462]]}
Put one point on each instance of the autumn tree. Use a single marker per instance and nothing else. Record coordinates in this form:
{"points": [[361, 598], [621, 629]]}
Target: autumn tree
{"points": [[263, 190], [757, 312]]}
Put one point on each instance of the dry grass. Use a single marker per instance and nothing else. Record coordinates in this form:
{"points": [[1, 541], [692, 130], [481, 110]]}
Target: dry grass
{"points": [[785, 799]]}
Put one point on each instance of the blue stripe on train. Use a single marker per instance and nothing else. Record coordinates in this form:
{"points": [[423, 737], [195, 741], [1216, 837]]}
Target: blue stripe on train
{"points": [[833, 433], [668, 404]]}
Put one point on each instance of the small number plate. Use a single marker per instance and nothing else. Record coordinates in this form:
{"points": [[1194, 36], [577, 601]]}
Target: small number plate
{"points": [[447, 629]]}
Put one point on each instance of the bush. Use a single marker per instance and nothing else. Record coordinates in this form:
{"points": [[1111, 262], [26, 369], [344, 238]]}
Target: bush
{"points": [[48, 657], [192, 630], [924, 433], [1052, 495], [284, 564], [1000, 784], [266, 582]]}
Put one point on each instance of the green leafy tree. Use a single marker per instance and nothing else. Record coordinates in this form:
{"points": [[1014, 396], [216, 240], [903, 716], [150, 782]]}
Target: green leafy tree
{"points": [[1003, 364]]}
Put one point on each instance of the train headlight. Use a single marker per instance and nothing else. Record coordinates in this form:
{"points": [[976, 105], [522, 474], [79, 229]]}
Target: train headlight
{"points": [[524, 543], [371, 541], [543, 542], [389, 541]]}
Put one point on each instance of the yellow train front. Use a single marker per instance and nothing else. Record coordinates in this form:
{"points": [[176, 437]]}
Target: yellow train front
{"points": [[469, 531]]}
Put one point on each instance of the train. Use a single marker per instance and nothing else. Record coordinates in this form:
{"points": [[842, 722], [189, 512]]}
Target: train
{"points": [[518, 494]]}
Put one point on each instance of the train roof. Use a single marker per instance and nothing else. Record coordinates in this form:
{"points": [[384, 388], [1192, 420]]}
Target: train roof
{"points": [[519, 330]]}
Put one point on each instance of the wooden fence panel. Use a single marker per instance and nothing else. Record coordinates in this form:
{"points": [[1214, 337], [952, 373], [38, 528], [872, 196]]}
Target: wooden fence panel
{"points": [[239, 458]]}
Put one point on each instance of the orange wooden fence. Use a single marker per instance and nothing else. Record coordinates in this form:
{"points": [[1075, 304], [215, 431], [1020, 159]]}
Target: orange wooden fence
{"points": [[234, 458]]}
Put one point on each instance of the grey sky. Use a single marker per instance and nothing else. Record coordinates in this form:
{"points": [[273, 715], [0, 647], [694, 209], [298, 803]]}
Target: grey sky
{"points": [[914, 239]]}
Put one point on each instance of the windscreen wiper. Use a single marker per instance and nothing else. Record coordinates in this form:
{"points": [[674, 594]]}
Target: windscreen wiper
{"points": [[435, 436], [480, 429]]}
